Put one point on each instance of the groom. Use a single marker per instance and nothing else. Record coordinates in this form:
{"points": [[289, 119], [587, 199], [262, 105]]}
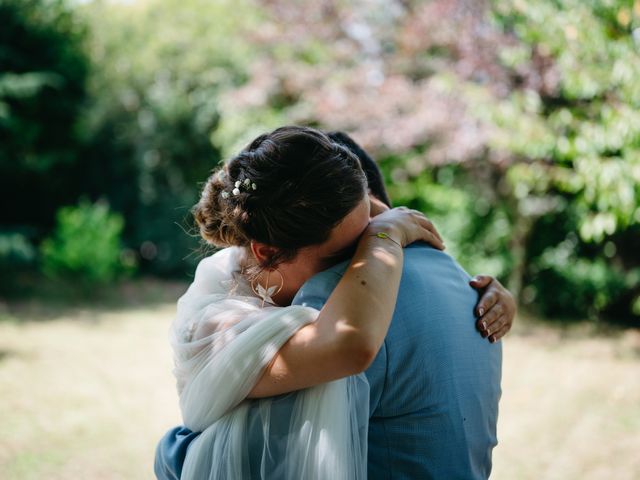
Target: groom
{"points": [[435, 384]]}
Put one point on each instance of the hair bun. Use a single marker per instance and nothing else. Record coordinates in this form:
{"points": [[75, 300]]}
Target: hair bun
{"points": [[215, 214], [287, 189]]}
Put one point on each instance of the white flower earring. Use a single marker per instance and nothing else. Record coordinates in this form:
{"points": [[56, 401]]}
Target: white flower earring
{"points": [[267, 292]]}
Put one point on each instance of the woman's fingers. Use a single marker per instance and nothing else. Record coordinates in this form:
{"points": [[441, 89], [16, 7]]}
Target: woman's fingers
{"points": [[428, 224], [495, 324], [481, 281], [430, 233], [433, 240], [486, 303], [496, 310], [492, 321], [410, 226], [494, 337]]}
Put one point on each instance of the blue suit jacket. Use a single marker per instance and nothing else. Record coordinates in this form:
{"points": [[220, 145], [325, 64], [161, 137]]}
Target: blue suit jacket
{"points": [[434, 385]]}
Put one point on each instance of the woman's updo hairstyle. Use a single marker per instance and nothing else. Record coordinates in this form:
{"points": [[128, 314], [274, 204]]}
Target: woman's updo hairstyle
{"points": [[287, 189]]}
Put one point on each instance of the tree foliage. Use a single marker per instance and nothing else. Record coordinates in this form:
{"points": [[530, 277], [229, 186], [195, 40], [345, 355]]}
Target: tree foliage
{"points": [[43, 69], [155, 89], [514, 124]]}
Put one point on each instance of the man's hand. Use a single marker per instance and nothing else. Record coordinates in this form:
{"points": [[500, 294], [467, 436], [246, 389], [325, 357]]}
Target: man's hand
{"points": [[496, 308]]}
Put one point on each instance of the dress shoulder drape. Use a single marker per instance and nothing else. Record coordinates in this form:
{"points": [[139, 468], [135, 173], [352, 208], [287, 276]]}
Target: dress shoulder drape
{"points": [[222, 341]]}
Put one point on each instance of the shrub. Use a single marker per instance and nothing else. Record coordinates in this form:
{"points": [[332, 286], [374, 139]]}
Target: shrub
{"points": [[86, 245]]}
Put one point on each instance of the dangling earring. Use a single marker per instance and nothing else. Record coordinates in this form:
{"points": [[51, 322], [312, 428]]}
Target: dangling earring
{"points": [[266, 293]]}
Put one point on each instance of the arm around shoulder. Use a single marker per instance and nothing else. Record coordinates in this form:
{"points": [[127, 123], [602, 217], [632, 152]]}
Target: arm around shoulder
{"points": [[352, 325]]}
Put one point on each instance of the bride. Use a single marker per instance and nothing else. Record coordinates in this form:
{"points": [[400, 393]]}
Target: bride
{"points": [[290, 205]]}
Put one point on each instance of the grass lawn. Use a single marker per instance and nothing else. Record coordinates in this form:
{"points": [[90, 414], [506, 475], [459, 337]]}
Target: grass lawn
{"points": [[87, 392]]}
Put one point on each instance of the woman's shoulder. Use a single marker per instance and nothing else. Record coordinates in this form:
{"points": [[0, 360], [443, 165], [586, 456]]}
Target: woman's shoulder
{"points": [[210, 301], [225, 259], [222, 265]]}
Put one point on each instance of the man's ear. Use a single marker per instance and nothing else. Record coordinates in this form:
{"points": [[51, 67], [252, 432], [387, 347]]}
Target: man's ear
{"points": [[262, 252]]}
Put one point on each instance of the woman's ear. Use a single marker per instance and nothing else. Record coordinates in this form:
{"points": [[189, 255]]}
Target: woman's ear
{"points": [[262, 252]]}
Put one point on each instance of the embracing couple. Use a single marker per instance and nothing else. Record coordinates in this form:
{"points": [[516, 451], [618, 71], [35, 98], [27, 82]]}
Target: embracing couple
{"points": [[331, 337]]}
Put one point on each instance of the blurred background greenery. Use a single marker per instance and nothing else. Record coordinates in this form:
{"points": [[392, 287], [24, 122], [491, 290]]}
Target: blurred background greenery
{"points": [[514, 124]]}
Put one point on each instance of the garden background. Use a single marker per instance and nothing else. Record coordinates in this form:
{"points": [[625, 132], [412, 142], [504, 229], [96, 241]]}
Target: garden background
{"points": [[514, 125]]}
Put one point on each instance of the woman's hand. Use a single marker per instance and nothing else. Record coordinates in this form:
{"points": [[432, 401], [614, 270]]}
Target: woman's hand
{"points": [[404, 226], [496, 308]]}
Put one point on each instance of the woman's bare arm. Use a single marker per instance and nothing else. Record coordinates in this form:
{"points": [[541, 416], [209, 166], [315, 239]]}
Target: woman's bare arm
{"points": [[352, 325]]}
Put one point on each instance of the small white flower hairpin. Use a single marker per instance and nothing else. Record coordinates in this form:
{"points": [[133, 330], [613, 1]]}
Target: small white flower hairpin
{"points": [[246, 184]]}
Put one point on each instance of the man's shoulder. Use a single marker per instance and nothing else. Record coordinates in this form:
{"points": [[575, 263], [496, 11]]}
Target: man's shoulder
{"points": [[417, 259], [433, 285], [423, 252], [416, 253], [431, 262]]}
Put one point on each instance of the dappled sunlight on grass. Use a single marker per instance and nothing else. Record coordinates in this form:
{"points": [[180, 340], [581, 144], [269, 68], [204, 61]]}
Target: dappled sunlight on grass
{"points": [[88, 393], [86, 399], [570, 406]]}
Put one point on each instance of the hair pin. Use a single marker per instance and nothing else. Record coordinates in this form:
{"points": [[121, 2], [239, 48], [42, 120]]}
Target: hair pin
{"points": [[246, 184]]}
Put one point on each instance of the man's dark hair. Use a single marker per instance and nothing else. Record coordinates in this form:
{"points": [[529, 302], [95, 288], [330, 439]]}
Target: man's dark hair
{"points": [[371, 170]]}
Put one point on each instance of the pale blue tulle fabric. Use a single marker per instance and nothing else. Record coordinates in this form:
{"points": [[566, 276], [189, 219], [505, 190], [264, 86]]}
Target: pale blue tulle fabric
{"points": [[222, 340]]}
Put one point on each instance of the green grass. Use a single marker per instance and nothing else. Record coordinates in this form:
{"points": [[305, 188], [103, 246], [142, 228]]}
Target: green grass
{"points": [[87, 391]]}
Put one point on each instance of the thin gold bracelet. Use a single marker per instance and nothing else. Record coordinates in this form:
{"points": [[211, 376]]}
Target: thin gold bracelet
{"points": [[386, 236]]}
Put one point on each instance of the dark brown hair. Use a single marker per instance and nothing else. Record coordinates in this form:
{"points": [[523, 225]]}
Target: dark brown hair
{"points": [[305, 184], [375, 180]]}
